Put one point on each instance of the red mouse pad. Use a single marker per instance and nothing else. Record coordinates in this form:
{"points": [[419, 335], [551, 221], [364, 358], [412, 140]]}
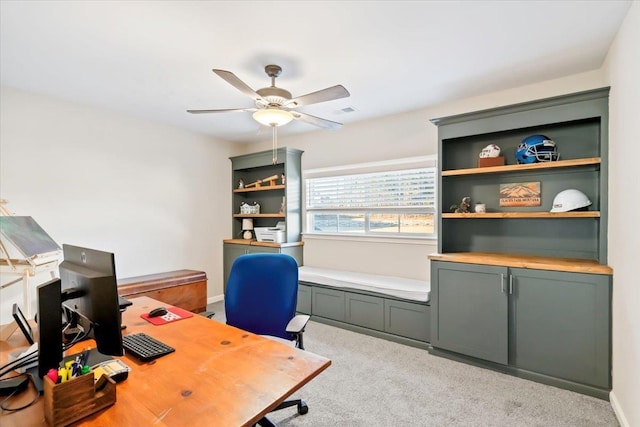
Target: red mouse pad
{"points": [[173, 315]]}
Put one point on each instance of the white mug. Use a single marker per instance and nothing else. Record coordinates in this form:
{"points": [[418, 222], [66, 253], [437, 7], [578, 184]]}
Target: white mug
{"points": [[481, 208]]}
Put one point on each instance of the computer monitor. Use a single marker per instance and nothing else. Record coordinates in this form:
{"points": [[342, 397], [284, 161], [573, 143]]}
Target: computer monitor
{"points": [[90, 292], [49, 326]]}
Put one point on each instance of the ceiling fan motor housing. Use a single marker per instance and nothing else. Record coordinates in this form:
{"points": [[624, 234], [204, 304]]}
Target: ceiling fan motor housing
{"points": [[272, 96]]}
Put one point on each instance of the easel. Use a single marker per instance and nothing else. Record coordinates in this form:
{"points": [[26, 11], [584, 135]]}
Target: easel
{"points": [[27, 267]]}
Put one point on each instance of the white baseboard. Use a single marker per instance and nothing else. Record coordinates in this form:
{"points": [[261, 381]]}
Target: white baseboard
{"points": [[215, 298], [618, 410]]}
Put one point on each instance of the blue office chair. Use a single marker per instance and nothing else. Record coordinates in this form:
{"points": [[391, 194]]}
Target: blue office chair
{"points": [[261, 297]]}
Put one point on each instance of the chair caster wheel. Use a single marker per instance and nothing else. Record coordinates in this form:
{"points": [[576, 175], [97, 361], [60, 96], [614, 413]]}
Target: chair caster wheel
{"points": [[303, 408]]}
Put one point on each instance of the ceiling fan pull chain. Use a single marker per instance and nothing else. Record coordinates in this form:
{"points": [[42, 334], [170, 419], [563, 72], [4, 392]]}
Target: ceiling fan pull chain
{"points": [[274, 156]]}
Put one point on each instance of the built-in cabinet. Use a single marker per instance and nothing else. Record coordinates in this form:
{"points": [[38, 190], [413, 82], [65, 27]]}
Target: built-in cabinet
{"points": [[233, 248], [519, 288], [279, 200], [371, 313], [546, 322], [279, 196]]}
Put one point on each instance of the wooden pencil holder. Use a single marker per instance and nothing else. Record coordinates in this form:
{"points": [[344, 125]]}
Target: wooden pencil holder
{"points": [[73, 400]]}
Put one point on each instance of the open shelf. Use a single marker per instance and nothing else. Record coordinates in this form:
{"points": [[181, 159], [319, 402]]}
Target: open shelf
{"points": [[254, 189], [264, 215], [574, 214], [524, 167]]}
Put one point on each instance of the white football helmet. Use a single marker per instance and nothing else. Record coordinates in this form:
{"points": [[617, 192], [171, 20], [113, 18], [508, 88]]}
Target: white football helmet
{"points": [[491, 150]]}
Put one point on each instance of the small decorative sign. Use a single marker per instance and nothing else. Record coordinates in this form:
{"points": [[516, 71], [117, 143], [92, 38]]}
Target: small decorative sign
{"points": [[520, 194]]}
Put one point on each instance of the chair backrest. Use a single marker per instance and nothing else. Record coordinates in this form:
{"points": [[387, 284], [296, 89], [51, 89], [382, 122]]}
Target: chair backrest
{"points": [[262, 293]]}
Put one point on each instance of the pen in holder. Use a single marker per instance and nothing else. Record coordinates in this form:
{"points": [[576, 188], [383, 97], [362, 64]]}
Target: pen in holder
{"points": [[77, 398]]}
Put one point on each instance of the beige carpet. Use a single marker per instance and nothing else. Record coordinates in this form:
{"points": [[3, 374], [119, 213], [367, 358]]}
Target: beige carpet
{"points": [[374, 382]]}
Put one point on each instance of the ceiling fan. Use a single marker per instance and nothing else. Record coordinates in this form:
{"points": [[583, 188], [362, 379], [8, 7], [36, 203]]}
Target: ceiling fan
{"points": [[275, 106]]}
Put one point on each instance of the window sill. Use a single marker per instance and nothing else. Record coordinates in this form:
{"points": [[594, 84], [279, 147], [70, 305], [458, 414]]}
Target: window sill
{"points": [[408, 240]]}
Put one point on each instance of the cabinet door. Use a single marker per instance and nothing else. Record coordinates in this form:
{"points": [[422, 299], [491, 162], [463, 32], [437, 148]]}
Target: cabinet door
{"points": [[469, 305], [364, 310], [407, 319], [304, 299], [560, 325], [230, 253], [262, 250], [328, 303]]}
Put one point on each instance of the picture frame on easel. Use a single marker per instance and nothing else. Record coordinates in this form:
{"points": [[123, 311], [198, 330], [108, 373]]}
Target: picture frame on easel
{"points": [[22, 323]]}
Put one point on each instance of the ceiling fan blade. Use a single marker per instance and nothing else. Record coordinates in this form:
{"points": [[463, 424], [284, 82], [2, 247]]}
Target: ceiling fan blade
{"points": [[316, 121], [234, 81], [328, 94], [228, 110]]}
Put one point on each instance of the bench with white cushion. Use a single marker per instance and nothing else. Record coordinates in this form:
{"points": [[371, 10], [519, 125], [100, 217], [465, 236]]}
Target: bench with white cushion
{"points": [[390, 307]]}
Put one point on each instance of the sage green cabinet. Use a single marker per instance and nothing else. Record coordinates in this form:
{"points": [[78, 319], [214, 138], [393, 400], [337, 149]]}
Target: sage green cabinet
{"points": [[233, 248], [560, 323], [578, 123], [549, 323], [519, 288], [254, 167], [304, 299], [379, 315], [469, 310], [407, 319], [364, 310], [279, 199]]}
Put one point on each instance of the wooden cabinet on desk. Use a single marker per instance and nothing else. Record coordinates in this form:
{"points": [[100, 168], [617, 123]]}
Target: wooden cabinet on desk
{"points": [[233, 248], [549, 323]]}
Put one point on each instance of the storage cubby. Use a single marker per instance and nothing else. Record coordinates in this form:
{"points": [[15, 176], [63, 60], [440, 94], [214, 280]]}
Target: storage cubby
{"points": [[257, 166], [578, 124]]}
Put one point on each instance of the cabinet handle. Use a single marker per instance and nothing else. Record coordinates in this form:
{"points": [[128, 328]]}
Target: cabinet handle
{"points": [[510, 284], [502, 283]]}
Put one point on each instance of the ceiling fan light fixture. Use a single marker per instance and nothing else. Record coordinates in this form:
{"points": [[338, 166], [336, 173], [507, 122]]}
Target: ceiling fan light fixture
{"points": [[272, 117]]}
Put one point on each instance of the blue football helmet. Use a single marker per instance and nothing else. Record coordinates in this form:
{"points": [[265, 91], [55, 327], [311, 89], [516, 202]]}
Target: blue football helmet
{"points": [[537, 148]]}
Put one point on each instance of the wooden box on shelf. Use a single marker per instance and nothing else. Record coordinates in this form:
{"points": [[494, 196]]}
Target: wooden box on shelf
{"points": [[484, 162], [68, 402]]}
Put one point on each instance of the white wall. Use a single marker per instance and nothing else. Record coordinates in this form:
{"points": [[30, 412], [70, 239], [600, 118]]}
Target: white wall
{"points": [[393, 137], [154, 195], [622, 69]]}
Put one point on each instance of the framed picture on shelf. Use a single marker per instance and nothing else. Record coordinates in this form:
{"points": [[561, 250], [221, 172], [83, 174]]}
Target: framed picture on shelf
{"points": [[520, 194]]}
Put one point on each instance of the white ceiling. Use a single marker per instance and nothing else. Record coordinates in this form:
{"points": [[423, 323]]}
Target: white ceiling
{"points": [[153, 59]]}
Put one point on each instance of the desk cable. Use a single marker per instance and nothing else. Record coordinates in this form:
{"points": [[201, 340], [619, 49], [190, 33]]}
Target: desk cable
{"points": [[26, 360]]}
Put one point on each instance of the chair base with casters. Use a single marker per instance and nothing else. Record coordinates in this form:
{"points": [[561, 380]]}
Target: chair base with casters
{"points": [[302, 409]]}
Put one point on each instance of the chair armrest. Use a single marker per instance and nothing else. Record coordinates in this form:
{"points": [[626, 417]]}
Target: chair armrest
{"points": [[297, 324]]}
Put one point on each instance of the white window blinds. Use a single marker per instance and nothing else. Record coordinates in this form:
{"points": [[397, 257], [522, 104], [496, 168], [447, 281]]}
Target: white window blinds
{"points": [[408, 189], [389, 202]]}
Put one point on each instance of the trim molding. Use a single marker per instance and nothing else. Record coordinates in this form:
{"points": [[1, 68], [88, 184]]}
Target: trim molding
{"points": [[215, 298], [618, 410]]}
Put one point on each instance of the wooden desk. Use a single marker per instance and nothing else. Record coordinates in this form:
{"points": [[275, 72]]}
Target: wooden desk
{"points": [[218, 376]]}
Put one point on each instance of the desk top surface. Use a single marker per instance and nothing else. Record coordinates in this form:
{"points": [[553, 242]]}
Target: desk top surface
{"points": [[218, 375]]}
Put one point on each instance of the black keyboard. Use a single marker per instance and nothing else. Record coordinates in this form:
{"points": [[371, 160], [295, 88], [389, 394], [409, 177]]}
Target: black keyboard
{"points": [[145, 347]]}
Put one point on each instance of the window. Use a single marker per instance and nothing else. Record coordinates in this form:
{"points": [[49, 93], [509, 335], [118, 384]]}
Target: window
{"points": [[394, 202]]}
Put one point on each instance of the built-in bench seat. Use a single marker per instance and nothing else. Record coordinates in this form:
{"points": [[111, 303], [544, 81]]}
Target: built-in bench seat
{"points": [[389, 307]]}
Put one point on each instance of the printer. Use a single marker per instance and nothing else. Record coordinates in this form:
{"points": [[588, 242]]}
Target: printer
{"points": [[271, 234]]}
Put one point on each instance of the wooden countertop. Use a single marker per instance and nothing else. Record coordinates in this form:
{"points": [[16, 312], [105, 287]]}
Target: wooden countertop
{"points": [[266, 244], [572, 265]]}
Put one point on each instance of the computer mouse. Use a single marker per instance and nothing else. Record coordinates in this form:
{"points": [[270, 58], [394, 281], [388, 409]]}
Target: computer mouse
{"points": [[157, 312]]}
